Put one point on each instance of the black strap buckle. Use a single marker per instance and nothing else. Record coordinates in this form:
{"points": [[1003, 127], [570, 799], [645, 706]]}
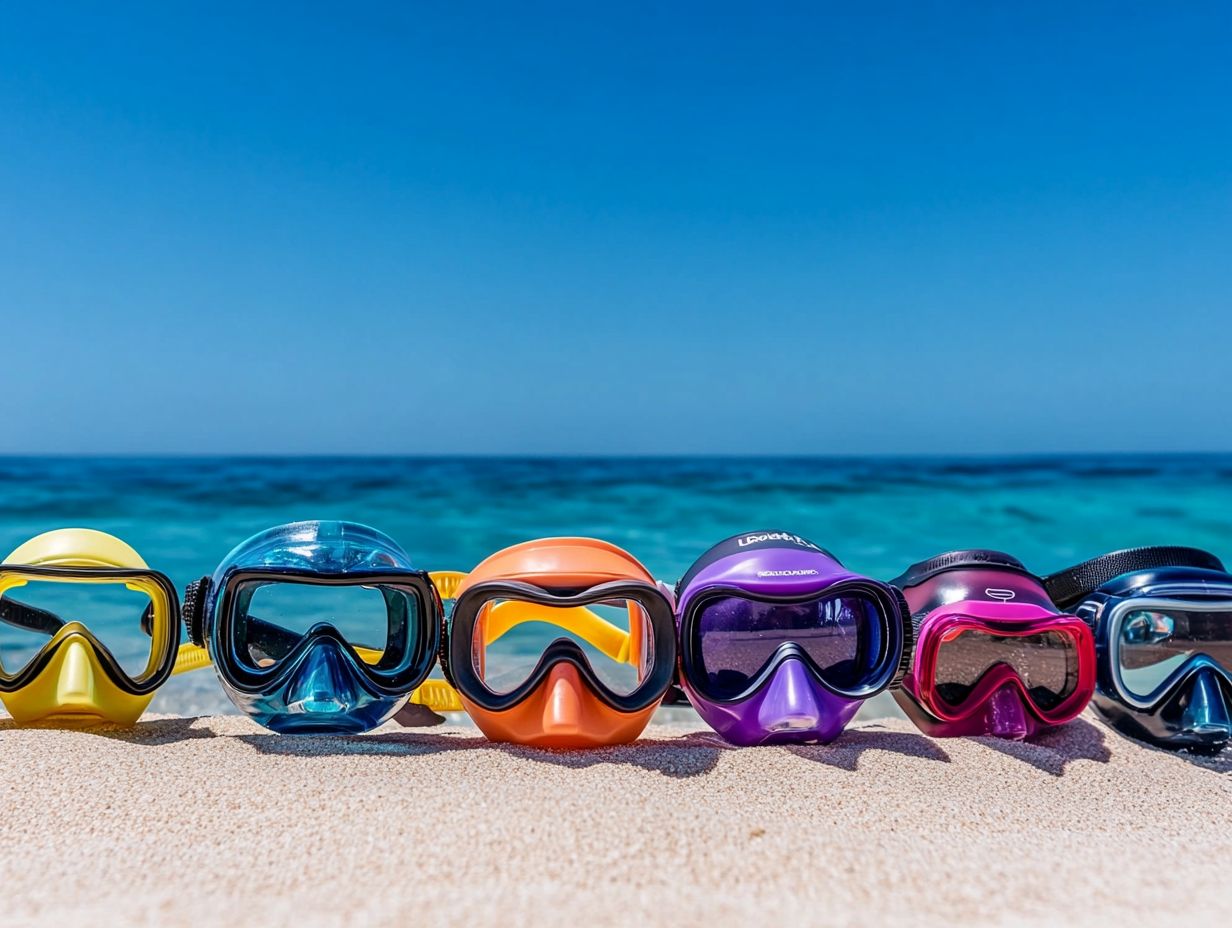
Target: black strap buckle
{"points": [[193, 610]]}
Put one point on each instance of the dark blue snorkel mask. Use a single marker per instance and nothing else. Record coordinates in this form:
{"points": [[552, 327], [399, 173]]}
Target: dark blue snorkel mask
{"points": [[317, 626], [1162, 619]]}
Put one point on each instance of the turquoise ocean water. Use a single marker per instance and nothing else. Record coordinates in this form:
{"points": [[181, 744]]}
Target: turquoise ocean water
{"points": [[876, 514]]}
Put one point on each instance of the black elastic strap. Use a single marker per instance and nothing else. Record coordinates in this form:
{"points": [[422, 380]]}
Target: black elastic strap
{"points": [[274, 641], [21, 615], [1068, 587], [957, 560]]}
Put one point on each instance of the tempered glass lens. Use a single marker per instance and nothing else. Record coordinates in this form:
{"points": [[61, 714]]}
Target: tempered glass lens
{"points": [[511, 636], [110, 610], [1047, 663], [272, 617], [1154, 644], [736, 637]]}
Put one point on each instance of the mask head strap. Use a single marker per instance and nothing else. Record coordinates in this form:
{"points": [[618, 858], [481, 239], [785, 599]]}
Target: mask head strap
{"points": [[957, 560], [31, 618], [1069, 587]]}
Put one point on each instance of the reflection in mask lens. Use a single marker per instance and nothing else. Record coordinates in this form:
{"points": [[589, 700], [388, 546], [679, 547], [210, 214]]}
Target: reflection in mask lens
{"points": [[1046, 663], [1154, 644], [272, 617], [511, 635], [110, 610], [736, 637]]}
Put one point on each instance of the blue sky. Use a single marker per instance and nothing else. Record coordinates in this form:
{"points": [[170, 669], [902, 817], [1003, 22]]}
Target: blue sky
{"points": [[668, 228]]}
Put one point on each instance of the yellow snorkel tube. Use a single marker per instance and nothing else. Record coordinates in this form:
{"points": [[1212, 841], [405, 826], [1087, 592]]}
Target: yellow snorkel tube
{"points": [[73, 677]]}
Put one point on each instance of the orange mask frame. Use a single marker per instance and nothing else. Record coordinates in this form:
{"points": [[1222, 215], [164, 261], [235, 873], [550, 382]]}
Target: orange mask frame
{"points": [[562, 704]]}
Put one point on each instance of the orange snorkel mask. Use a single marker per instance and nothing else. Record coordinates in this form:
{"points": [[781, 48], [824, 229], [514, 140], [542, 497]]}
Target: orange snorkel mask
{"points": [[561, 642]]}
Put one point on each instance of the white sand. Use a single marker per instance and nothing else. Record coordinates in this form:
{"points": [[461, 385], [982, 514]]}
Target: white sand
{"points": [[214, 821]]}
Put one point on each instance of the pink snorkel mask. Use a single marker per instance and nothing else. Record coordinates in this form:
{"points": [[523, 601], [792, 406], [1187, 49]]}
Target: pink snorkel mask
{"points": [[992, 655]]}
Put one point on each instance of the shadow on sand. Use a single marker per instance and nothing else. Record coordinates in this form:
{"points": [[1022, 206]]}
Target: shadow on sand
{"points": [[1056, 748], [1216, 763], [690, 755], [151, 733], [1220, 763], [845, 751]]}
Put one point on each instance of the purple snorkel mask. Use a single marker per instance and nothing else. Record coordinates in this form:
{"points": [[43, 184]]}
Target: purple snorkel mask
{"points": [[780, 643]]}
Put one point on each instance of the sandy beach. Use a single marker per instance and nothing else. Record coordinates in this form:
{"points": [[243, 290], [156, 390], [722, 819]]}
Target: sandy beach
{"points": [[214, 821]]}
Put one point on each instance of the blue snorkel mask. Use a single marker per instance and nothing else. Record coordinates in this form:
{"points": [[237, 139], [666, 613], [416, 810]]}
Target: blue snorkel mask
{"points": [[317, 626], [1162, 619]]}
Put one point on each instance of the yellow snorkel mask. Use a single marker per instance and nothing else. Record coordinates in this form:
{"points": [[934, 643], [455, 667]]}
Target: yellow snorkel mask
{"points": [[55, 668]]}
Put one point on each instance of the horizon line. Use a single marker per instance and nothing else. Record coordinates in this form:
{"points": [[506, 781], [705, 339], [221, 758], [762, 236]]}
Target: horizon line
{"points": [[582, 456]]}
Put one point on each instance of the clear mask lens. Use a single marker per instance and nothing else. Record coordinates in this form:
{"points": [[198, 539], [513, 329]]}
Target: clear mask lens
{"points": [[511, 635], [736, 637], [1154, 643], [1047, 664], [111, 611], [271, 618]]}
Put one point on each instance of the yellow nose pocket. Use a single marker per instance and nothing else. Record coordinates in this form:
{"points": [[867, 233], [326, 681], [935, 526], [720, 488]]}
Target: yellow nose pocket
{"points": [[74, 687], [75, 682]]}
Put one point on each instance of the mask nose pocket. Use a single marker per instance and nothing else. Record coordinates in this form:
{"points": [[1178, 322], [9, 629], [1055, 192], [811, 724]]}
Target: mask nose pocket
{"points": [[1206, 713], [562, 710], [321, 686], [75, 686], [789, 704], [1006, 717]]}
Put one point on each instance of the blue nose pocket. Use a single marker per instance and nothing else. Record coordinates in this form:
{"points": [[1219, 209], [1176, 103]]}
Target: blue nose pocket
{"points": [[321, 686], [325, 695], [1206, 716]]}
